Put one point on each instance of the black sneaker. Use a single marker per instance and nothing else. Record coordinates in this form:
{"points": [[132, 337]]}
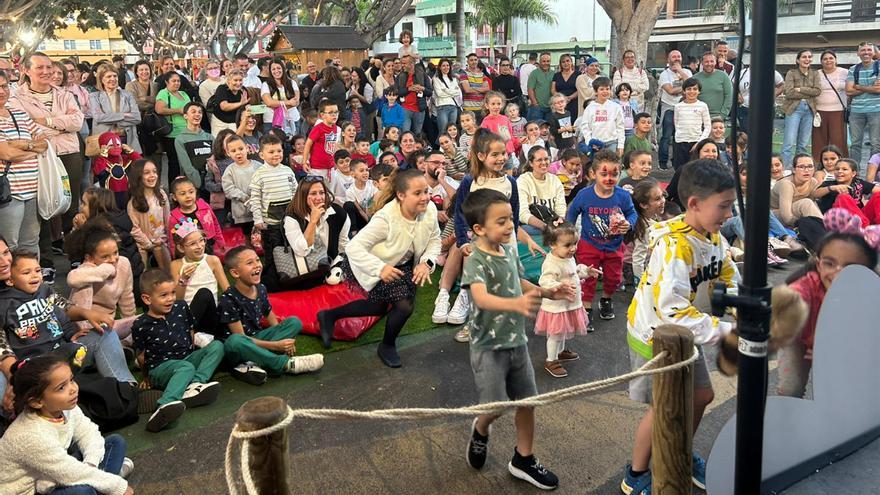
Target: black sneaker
{"points": [[590, 327], [48, 275], [606, 309], [58, 248], [165, 415], [327, 326], [477, 448], [529, 469]]}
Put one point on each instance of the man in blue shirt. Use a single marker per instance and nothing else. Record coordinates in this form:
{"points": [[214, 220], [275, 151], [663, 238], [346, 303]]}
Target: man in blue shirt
{"points": [[863, 86]]}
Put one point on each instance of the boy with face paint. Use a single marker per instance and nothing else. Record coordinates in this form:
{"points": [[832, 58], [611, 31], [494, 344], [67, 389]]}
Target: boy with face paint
{"points": [[608, 213], [110, 167]]}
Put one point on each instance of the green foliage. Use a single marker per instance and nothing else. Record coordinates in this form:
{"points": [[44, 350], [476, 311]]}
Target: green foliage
{"points": [[498, 12]]}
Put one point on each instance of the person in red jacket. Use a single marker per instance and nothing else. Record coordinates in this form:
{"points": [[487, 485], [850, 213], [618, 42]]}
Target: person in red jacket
{"points": [[109, 168]]}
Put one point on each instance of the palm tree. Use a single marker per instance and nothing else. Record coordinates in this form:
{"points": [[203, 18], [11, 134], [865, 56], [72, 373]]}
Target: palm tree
{"points": [[494, 13], [459, 31]]}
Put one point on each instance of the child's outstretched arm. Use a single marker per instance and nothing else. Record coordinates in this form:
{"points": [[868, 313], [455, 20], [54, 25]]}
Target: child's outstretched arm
{"points": [[527, 304]]}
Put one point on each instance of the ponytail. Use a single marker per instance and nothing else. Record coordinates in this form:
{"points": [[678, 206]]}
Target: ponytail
{"points": [[482, 141]]}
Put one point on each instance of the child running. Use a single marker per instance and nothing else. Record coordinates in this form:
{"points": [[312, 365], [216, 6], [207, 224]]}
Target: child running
{"points": [[501, 301], [190, 206], [607, 213], [560, 320], [35, 450], [688, 255], [845, 244], [164, 337], [254, 351]]}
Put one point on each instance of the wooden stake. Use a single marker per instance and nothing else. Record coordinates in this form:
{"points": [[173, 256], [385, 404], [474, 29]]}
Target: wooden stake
{"points": [[269, 458], [673, 393]]}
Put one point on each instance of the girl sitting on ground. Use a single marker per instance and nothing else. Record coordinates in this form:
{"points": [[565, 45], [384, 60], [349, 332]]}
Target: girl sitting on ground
{"points": [[846, 181], [148, 208], [189, 205], [104, 280], [197, 275], [829, 155], [52, 447]]}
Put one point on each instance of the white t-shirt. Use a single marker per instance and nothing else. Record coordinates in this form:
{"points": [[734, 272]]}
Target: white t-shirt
{"points": [[269, 114], [361, 197], [524, 71], [340, 184], [669, 77], [745, 84], [438, 190]]}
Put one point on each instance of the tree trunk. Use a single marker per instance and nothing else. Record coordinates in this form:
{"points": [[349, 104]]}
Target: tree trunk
{"points": [[460, 32], [633, 28]]}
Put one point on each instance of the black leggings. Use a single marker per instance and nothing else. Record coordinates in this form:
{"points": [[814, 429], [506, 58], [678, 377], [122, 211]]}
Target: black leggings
{"points": [[354, 216], [397, 316], [173, 163], [204, 311]]}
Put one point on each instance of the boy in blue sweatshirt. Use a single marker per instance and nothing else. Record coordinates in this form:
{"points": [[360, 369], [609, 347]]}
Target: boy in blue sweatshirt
{"points": [[392, 114], [608, 214]]}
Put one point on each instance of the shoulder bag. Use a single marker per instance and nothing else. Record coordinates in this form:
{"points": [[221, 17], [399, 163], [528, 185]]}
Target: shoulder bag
{"points": [[836, 92], [53, 185], [158, 125]]}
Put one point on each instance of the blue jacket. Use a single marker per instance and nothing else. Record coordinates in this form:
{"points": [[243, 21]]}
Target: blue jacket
{"points": [[391, 115], [461, 225]]}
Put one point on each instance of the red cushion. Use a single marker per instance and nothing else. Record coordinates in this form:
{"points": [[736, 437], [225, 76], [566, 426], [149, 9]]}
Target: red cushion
{"points": [[232, 237], [305, 304]]}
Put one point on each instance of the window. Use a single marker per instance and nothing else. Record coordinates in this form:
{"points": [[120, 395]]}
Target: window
{"points": [[391, 37], [94, 44], [406, 26], [797, 7], [864, 11], [70, 45]]}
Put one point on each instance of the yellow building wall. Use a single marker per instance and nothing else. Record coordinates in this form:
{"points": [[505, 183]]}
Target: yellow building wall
{"points": [[92, 45]]}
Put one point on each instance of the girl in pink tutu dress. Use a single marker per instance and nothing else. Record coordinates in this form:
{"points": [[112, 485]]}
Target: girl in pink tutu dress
{"points": [[561, 320]]}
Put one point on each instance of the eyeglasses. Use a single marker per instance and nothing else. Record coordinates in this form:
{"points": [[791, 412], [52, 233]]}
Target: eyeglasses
{"points": [[195, 243], [311, 179], [805, 167], [831, 264]]}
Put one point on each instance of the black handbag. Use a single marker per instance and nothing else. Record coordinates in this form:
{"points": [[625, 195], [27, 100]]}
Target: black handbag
{"points": [[157, 125], [5, 190]]}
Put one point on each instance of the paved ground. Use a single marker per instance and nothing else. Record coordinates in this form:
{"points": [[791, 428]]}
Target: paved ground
{"points": [[586, 442]]}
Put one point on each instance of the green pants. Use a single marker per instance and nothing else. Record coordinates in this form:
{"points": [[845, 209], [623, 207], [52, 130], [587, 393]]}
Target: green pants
{"points": [[176, 374], [240, 348]]}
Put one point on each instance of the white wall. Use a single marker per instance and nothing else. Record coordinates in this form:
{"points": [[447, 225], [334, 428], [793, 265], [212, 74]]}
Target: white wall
{"points": [[574, 20]]}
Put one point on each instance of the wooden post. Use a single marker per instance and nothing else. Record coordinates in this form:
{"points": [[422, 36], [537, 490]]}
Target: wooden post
{"points": [[673, 391], [269, 459]]}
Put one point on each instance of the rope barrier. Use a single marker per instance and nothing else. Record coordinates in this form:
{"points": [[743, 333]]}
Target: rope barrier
{"points": [[492, 408]]}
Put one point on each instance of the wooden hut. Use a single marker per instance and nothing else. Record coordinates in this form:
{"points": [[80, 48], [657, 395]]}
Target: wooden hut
{"points": [[303, 44]]}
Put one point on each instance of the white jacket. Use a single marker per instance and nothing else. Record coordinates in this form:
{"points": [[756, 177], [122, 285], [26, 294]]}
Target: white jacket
{"points": [[388, 237], [446, 92], [603, 121], [637, 78], [556, 271], [682, 269], [548, 192]]}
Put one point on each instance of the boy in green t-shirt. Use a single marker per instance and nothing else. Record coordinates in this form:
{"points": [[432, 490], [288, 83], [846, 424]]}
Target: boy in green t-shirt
{"points": [[501, 298], [639, 140]]}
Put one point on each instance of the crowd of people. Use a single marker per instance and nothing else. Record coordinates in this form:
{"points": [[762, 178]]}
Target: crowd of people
{"points": [[378, 176]]}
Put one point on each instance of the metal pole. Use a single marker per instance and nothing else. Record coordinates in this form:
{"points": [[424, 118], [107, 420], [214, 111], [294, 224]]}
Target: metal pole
{"points": [[754, 323]]}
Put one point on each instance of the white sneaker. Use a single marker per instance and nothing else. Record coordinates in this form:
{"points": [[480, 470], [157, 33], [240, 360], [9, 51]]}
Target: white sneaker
{"points": [[201, 394], [304, 364], [463, 335], [202, 339], [459, 312], [441, 308], [127, 467]]}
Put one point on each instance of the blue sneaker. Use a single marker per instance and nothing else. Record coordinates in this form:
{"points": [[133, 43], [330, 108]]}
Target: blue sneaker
{"points": [[698, 474], [632, 485]]}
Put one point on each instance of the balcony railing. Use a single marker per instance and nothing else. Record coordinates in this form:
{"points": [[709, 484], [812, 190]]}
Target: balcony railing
{"points": [[683, 14], [848, 11]]}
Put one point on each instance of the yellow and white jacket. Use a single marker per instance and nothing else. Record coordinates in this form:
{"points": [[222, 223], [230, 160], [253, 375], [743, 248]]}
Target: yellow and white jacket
{"points": [[677, 283]]}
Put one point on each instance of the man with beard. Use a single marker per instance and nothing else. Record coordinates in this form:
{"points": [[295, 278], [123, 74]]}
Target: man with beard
{"points": [[440, 187]]}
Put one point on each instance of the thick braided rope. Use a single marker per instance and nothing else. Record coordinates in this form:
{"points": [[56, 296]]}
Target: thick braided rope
{"points": [[430, 413]]}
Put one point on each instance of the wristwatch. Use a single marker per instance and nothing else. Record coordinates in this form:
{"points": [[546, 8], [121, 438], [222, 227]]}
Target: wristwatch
{"points": [[431, 265]]}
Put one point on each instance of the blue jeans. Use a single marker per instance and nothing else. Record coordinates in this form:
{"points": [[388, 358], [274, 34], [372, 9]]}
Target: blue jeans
{"points": [[742, 118], [733, 228], [857, 124], [798, 127], [107, 351], [114, 453], [446, 114], [412, 121], [537, 113], [20, 225], [667, 137]]}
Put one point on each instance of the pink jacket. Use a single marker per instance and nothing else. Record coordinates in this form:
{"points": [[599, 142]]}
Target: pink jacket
{"points": [[811, 288], [207, 220], [66, 117], [500, 124], [103, 287]]}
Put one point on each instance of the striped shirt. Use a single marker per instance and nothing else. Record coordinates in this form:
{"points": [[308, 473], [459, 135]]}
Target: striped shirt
{"points": [[22, 175], [473, 101], [271, 185]]}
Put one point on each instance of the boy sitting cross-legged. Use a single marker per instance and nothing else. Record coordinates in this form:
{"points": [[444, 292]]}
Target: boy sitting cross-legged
{"points": [[164, 338], [242, 306]]}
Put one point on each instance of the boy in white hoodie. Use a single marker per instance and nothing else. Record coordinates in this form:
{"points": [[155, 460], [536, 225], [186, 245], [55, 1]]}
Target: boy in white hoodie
{"points": [[603, 119]]}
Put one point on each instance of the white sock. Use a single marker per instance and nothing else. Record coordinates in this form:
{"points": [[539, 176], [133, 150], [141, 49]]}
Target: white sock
{"points": [[553, 347], [443, 292]]}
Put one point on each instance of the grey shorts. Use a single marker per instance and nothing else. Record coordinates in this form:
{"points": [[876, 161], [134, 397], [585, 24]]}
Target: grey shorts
{"points": [[504, 374], [640, 388]]}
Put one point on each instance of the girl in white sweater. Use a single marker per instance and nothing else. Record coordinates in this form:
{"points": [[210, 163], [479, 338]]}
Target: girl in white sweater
{"points": [[562, 319], [34, 450]]}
